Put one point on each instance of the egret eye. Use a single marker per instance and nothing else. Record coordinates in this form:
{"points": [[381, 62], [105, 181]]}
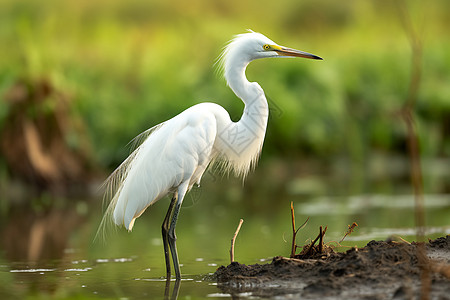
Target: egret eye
{"points": [[266, 47]]}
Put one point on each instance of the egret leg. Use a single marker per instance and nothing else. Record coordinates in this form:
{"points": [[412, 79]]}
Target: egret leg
{"points": [[165, 235], [182, 189], [172, 240]]}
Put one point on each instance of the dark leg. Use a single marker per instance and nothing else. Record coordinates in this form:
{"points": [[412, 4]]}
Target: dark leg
{"points": [[165, 235], [172, 238]]}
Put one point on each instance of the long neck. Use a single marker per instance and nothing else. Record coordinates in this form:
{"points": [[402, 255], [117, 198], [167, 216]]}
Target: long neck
{"points": [[251, 128], [256, 111]]}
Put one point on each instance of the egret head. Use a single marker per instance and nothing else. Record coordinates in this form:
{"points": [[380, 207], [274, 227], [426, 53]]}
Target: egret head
{"points": [[254, 45]]}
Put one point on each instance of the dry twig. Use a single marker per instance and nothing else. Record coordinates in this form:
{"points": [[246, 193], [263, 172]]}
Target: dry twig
{"points": [[294, 231], [349, 231], [413, 140], [234, 239], [310, 247]]}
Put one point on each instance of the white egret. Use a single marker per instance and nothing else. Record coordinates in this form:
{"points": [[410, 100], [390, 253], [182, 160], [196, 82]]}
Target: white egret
{"points": [[174, 155]]}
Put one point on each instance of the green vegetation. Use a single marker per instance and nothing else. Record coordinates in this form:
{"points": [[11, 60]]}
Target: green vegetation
{"points": [[126, 66]]}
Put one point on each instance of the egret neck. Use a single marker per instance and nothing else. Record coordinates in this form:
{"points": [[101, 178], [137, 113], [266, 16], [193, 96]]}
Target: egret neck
{"points": [[246, 136]]}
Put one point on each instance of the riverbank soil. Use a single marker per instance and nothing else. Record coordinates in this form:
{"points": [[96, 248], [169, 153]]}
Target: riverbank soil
{"points": [[380, 270]]}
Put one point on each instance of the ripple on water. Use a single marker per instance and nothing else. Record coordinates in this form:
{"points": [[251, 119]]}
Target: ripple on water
{"points": [[31, 270], [78, 269]]}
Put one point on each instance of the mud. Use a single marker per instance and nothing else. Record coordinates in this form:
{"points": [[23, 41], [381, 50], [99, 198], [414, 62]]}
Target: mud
{"points": [[380, 270]]}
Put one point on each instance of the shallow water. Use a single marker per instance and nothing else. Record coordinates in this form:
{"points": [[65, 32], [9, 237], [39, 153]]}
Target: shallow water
{"points": [[131, 266], [68, 264]]}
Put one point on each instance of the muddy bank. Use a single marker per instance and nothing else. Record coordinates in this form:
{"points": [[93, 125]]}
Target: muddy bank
{"points": [[380, 270]]}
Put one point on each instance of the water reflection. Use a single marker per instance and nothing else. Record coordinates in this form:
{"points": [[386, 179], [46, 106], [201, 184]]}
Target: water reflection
{"points": [[176, 289], [36, 243], [37, 237]]}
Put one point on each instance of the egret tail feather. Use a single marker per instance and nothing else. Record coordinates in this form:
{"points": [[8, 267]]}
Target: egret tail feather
{"points": [[113, 184]]}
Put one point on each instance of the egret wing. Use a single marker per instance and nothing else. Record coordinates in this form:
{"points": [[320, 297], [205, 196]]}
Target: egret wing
{"points": [[175, 152]]}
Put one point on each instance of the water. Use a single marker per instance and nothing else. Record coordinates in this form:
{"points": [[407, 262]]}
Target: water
{"points": [[52, 254], [96, 278]]}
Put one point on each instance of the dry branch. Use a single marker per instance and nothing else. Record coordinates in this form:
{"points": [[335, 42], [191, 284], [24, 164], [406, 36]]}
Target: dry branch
{"points": [[294, 231], [234, 239], [349, 231], [415, 41]]}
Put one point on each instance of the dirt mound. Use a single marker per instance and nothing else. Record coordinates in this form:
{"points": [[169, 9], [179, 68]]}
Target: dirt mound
{"points": [[380, 270]]}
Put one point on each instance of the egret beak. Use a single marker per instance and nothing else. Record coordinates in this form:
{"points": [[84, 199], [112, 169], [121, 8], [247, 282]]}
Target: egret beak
{"points": [[283, 51]]}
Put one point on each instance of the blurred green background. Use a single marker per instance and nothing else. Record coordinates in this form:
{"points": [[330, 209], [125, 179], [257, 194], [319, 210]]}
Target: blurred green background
{"points": [[79, 79], [126, 66]]}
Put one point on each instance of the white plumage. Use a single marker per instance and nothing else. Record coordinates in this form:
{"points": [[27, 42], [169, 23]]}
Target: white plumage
{"points": [[174, 155]]}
